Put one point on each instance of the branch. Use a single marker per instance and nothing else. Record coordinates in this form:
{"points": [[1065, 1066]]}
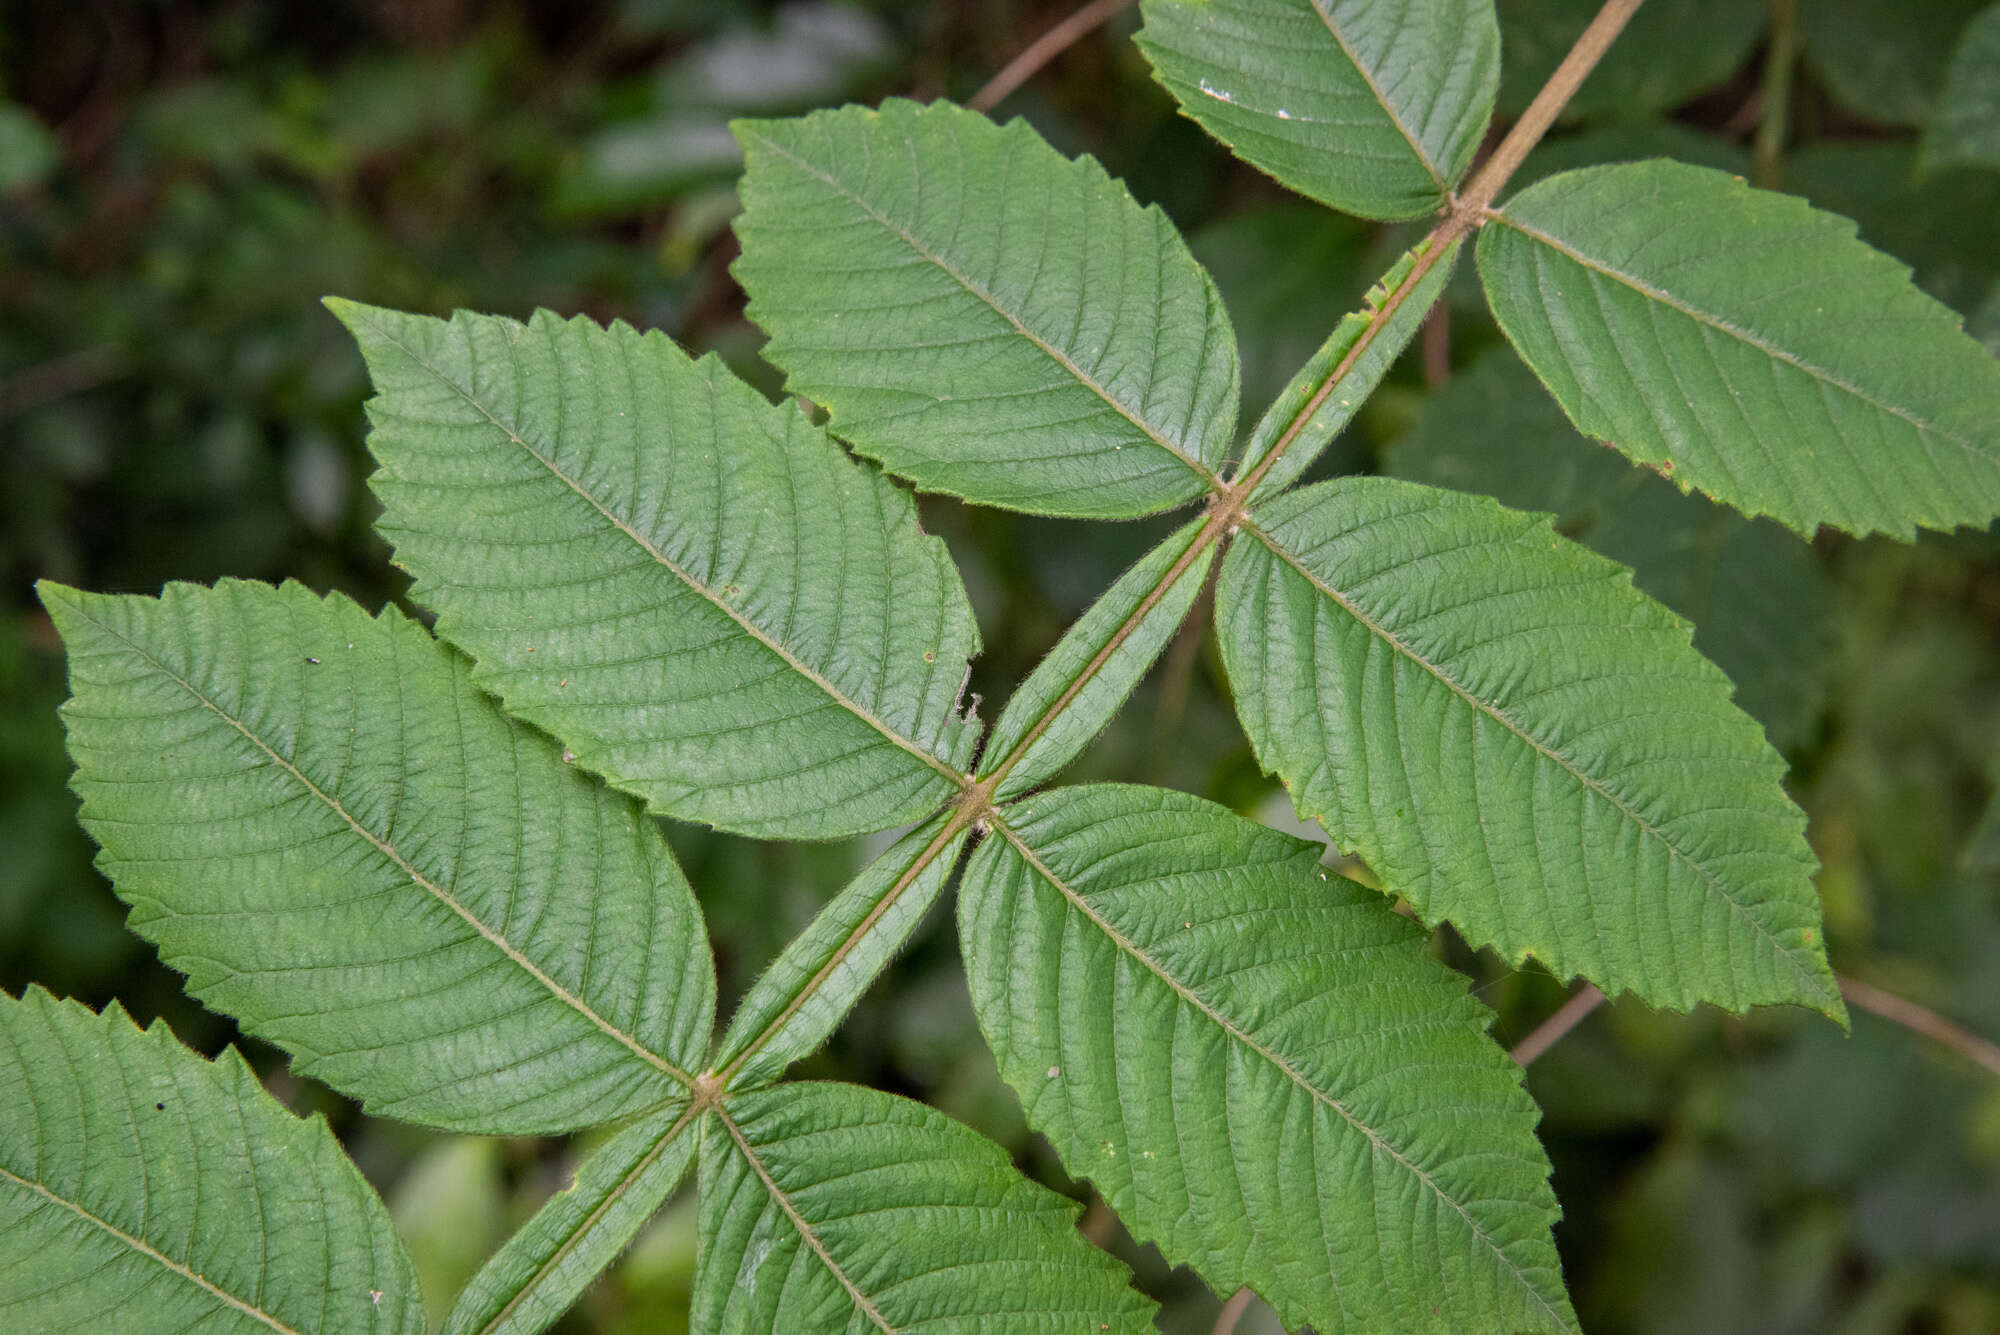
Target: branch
{"points": [[1551, 1031], [1921, 1020], [1542, 112], [1233, 1310], [1042, 50]]}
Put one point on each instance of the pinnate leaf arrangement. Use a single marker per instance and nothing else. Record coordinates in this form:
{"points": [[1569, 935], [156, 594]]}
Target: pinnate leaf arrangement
{"points": [[426, 866]]}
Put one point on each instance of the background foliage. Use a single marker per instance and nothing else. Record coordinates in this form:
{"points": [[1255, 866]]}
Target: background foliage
{"points": [[180, 183]]}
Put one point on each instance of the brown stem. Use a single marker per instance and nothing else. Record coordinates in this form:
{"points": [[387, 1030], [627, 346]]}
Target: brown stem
{"points": [[1922, 1020], [1550, 1031], [1232, 1311], [1548, 104], [1437, 347], [1042, 50]]}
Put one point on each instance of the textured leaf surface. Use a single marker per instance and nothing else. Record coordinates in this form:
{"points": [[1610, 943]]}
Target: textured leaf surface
{"points": [[1761, 605], [321, 821], [822, 972], [1965, 128], [834, 1208], [1121, 656], [1258, 1066], [1371, 106], [698, 592], [1749, 345], [581, 1230], [1512, 736], [1358, 377], [143, 1189], [983, 315]]}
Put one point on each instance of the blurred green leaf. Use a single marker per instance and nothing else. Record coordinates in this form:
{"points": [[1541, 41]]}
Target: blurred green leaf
{"points": [[449, 1208], [1884, 60], [28, 152], [1670, 51], [1965, 127]]}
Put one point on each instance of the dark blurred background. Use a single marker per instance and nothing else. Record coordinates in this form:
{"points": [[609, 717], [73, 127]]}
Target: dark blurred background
{"points": [[180, 183]]}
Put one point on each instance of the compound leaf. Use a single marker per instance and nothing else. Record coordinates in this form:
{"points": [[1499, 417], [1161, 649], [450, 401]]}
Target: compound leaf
{"points": [[828, 1207], [1121, 634], [822, 972], [698, 592], [1371, 106], [1747, 345], [144, 1189], [1518, 740], [320, 820], [983, 315], [579, 1231], [1258, 1066]]}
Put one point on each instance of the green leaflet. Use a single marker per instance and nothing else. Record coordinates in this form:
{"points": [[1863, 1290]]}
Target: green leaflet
{"points": [[1520, 742], [1965, 128], [143, 1189], [320, 820], [1747, 345], [1337, 407], [983, 315], [828, 1207], [698, 592], [580, 1231], [1371, 106], [1761, 606], [1258, 1066], [822, 972], [1122, 649]]}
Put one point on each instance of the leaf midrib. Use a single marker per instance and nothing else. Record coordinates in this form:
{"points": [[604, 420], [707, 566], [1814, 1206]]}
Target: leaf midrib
{"points": [[140, 1246], [751, 628], [1381, 98], [1645, 826], [1208, 477], [575, 1237], [389, 851], [805, 1229], [1277, 1061], [1969, 445]]}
